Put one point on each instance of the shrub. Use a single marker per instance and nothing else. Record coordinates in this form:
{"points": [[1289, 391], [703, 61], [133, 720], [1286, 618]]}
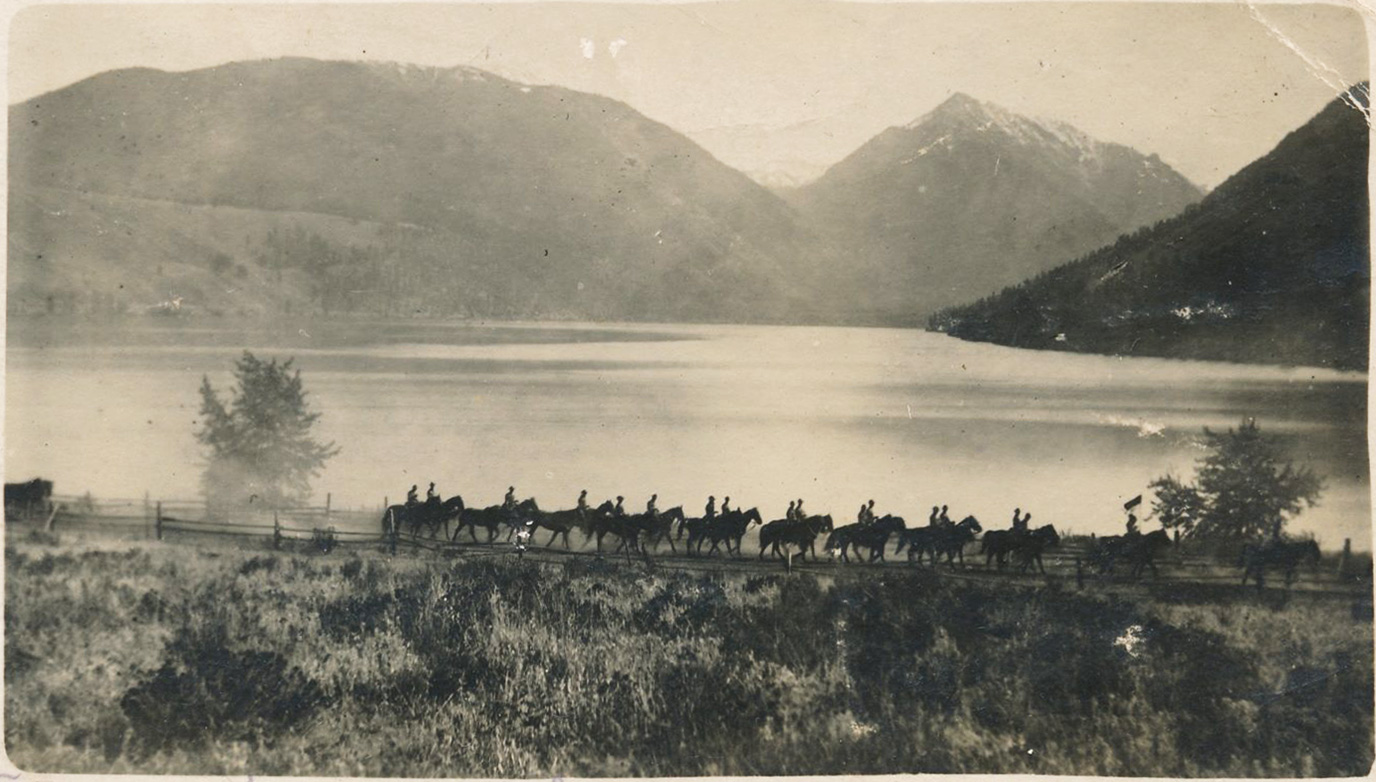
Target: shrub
{"points": [[204, 691]]}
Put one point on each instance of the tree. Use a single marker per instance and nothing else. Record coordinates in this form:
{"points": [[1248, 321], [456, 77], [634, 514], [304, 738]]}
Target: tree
{"points": [[262, 453], [1244, 488]]}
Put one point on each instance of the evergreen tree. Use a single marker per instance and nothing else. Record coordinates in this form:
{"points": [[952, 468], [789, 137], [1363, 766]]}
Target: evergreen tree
{"points": [[1245, 488], [261, 452]]}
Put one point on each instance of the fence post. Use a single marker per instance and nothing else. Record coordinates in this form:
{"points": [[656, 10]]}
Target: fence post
{"points": [[1345, 561], [276, 531], [327, 506], [157, 521]]}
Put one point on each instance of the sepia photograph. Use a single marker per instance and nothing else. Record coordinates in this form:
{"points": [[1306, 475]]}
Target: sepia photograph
{"points": [[688, 389]]}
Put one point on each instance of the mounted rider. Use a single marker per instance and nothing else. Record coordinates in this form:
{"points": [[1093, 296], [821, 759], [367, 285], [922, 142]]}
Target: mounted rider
{"points": [[411, 499], [619, 511], [791, 514], [934, 520], [945, 520], [710, 512], [1020, 522], [798, 511], [509, 501], [650, 509], [582, 508], [866, 515], [430, 493], [1132, 518], [725, 506]]}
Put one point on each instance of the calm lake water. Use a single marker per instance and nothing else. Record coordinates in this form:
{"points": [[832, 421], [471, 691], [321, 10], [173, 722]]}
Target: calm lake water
{"points": [[762, 414]]}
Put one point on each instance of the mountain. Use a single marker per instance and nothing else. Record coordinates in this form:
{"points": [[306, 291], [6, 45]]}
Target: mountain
{"points": [[1272, 266], [484, 197], [970, 198]]}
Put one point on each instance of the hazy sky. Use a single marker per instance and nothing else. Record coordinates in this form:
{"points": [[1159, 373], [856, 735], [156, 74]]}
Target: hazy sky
{"points": [[792, 86]]}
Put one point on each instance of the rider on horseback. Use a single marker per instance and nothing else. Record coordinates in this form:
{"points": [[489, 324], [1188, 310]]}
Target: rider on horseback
{"points": [[791, 514], [933, 519], [430, 494], [650, 509], [944, 519], [798, 511], [619, 511], [726, 506], [509, 501], [710, 512], [583, 505], [1132, 525], [866, 515], [411, 499], [1020, 522]]}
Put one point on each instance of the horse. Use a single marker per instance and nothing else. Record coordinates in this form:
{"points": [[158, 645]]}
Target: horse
{"points": [[934, 541], [1025, 545], [493, 517], [798, 532], [1138, 550], [1284, 555], [431, 515], [28, 497], [661, 526], [561, 522], [874, 536], [605, 520], [728, 527], [1029, 547]]}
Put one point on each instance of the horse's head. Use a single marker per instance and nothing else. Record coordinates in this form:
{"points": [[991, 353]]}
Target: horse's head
{"points": [[1049, 533], [752, 516], [971, 523], [606, 508], [528, 506], [822, 523], [674, 514]]}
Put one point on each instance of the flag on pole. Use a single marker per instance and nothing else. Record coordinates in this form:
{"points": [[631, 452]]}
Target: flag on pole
{"points": [[1132, 503]]}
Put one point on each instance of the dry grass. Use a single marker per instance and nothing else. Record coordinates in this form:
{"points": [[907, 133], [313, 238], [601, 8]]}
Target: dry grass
{"points": [[156, 659]]}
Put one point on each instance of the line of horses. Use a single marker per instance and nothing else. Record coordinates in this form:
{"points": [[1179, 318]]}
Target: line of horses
{"points": [[640, 533]]}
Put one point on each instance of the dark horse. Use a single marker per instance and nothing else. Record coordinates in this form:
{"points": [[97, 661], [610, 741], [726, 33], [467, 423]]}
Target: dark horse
{"points": [[562, 522], [493, 517], [873, 536], [28, 497], [729, 528], [778, 534], [1283, 555], [660, 527], [1027, 547], [430, 515], [1139, 551], [947, 539], [605, 521]]}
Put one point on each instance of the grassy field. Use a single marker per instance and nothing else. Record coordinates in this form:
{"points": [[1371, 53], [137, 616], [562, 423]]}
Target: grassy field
{"points": [[143, 657]]}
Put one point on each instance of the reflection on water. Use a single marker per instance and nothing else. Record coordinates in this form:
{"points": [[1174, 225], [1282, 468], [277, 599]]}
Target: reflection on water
{"points": [[762, 414]]}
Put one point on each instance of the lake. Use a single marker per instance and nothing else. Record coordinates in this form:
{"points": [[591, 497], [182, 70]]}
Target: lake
{"points": [[759, 413]]}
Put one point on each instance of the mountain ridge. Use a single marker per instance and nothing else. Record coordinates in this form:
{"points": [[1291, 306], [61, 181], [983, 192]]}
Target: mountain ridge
{"points": [[641, 221], [969, 197], [1273, 265]]}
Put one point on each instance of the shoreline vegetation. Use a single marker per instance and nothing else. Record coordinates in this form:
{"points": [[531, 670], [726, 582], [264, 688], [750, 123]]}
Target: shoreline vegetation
{"points": [[145, 657], [229, 331]]}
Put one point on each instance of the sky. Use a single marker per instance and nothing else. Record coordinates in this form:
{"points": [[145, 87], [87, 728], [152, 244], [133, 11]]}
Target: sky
{"points": [[785, 89]]}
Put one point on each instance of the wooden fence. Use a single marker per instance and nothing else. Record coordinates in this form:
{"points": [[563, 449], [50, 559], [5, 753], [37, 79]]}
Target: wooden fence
{"points": [[167, 518]]}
